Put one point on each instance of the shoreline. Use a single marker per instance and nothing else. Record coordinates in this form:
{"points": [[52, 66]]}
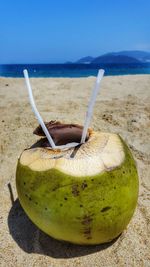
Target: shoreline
{"points": [[83, 77], [79, 76]]}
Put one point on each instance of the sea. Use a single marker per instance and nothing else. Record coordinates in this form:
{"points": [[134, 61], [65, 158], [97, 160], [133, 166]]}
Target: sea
{"points": [[72, 70]]}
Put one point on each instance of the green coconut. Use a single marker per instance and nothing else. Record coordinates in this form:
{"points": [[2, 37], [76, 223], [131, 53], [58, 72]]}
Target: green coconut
{"points": [[84, 195]]}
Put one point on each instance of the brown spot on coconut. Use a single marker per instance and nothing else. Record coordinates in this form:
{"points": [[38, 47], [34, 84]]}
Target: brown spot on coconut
{"points": [[87, 219], [83, 185], [75, 190]]}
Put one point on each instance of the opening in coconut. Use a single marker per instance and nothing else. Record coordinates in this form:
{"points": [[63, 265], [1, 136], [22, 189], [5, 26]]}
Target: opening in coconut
{"points": [[61, 133]]}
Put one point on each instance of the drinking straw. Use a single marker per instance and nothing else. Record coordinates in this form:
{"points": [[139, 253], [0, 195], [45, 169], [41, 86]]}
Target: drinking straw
{"points": [[69, 145], [37, 114], [89, 112]]}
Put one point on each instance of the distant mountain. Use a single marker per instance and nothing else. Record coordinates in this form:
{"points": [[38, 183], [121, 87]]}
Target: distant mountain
{"points": [[85, 60], [115, 59], [124, 57], [139, 55]]}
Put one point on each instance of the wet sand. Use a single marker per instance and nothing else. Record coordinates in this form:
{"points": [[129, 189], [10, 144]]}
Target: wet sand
{"points": [[123, 107]]}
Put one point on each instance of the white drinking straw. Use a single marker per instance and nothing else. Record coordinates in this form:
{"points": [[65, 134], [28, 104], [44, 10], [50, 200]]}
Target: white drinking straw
{"points": [[69, 145], [37, 114], [40, 120], [91, 105]]}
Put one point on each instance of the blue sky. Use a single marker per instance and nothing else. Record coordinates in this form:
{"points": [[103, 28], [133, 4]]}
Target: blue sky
{"points": [[52, 31]]}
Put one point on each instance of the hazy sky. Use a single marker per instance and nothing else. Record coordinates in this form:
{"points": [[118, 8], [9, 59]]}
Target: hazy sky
{"points": [[52, 31]]}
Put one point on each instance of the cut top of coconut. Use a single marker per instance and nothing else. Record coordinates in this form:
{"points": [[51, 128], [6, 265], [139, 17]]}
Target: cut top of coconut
{"points": [[101, 152]]}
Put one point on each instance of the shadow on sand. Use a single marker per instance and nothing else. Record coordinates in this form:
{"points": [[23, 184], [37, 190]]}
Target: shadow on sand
{"points": [[32, 240]]}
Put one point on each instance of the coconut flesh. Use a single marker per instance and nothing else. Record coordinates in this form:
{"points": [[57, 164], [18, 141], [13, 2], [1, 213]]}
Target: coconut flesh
{"points": [[84, 195]]}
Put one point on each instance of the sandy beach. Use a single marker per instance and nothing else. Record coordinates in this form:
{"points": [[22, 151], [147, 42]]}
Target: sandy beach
{"points": [[123, 106]]}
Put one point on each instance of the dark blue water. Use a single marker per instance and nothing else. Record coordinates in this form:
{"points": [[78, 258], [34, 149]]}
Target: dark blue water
{"points": [[72, 70]]}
